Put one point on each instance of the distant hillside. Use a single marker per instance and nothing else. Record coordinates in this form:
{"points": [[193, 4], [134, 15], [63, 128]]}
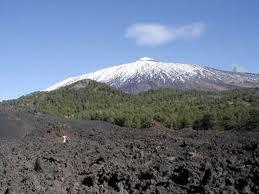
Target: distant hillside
{"points": [[147, 73], [236, 109]]}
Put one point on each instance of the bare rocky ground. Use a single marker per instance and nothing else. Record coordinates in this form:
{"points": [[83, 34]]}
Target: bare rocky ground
{"points": [[102, 158]]}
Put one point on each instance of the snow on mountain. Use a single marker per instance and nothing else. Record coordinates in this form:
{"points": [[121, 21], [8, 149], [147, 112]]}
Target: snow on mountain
{"points": [[147, 73]]}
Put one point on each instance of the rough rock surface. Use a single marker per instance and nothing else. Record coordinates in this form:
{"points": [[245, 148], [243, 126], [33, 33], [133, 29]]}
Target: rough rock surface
{"points": [[102, 158]]}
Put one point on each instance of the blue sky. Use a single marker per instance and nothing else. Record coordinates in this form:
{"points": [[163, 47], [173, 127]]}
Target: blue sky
{"points": [[42, 42]]}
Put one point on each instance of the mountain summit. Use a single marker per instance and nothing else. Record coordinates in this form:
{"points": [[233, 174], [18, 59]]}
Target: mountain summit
{"points": [[148, 73]]}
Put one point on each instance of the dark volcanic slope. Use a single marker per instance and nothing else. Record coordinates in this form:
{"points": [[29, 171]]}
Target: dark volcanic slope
{"points": [[101, 157], [12, 124]]}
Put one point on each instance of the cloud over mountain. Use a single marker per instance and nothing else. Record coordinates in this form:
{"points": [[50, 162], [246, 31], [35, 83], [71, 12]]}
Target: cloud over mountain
{"points": [[154, 34]]}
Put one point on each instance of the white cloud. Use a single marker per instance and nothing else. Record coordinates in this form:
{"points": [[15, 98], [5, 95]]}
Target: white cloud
{"points": [[148, 34], [238, 68]]}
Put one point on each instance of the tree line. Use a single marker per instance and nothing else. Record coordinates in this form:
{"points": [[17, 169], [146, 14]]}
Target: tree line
{"points": [[200, 110]]}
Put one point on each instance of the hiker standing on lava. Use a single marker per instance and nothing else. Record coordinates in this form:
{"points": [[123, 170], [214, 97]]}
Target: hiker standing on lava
{"points": [[64, 139]]}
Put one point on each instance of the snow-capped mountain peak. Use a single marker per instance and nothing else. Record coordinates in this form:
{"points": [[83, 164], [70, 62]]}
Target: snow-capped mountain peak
{"points": [[148, 73], [147, 59]]}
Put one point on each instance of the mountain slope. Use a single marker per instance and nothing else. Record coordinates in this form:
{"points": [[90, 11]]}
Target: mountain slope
{"points": [[90, 100], [148, 73]]}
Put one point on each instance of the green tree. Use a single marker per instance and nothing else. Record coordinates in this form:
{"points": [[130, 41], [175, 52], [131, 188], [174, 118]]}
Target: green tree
{"points": [[205, 123]]}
